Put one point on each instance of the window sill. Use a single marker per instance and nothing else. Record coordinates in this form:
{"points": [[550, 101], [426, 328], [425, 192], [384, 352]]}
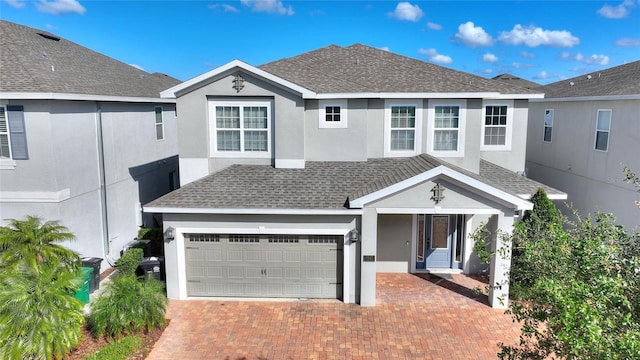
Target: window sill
{"points": [[242, 154], [495, 148], [7, 164]]}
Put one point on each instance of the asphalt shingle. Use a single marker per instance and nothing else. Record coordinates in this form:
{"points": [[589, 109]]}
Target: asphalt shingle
{"points": [[36, 61], [322, 185]]}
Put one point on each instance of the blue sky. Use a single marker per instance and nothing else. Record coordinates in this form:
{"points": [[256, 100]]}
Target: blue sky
{"points": [[542, 41]]}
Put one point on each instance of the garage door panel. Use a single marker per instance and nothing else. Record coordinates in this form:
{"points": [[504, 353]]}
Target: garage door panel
{"points": [[264, 266]]}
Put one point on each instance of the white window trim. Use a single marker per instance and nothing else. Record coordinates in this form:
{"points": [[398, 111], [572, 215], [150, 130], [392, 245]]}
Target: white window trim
{"points": [[323, 124], [462, 121], [213, 138], [544, 125], [156, 123], [508, 135], [7, 163], [595, 135], [417, 145]]}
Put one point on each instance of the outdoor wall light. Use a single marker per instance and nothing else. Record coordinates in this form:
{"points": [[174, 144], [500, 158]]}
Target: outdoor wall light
{"points": [[170, 233], [354, 235]]}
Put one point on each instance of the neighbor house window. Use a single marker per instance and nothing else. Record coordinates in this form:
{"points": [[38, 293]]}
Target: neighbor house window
{"points": [[240, 127], [333, 114], [496, 129], [548, 125], [159, 124], [13, 136], [445, 127], [603, 126]]}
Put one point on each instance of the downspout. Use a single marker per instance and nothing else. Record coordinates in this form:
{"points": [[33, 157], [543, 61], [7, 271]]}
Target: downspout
{"points": [[103, 187]]}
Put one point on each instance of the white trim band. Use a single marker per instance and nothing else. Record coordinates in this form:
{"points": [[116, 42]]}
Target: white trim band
{"points": [[34, 196]]}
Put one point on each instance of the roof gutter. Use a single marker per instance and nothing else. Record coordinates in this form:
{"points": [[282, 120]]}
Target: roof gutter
{"points": [[81, 97]]}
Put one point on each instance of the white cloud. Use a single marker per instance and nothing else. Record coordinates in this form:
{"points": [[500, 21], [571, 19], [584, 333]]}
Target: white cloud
{"points": [[595, 59], [489, 57], [535, 36], [405, 11], [57, 7], [488, 71], [433, 56], [224, 7], [434, 26], [630, 42], [268, 6], [51, 27], [473, 36], [385, 48], [518, 65], [18, 4], [617, 12], [527, 55], [543, 75]]}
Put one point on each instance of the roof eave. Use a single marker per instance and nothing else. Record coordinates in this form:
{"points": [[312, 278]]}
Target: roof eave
{"points": [[425, 95], [249, 211], [181, 88], [80, 97], [590, 98]]}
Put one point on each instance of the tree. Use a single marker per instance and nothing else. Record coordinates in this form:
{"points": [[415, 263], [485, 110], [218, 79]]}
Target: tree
{"points": [[39, 317], [31, 243]]}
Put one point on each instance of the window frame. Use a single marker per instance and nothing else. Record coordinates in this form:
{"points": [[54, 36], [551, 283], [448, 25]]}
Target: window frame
{"points": [[417, 140], [431, 128], [8, 134], [322, 114], [161, 123], [213, 131], [545, 126], [508, 126], [608, 131]]}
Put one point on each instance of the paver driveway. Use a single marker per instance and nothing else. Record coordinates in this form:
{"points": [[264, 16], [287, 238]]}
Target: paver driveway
{"points": [[417, 317]]}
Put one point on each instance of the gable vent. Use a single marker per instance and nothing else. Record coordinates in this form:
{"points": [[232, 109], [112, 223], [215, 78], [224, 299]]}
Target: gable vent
{"points": [[49, 36]]}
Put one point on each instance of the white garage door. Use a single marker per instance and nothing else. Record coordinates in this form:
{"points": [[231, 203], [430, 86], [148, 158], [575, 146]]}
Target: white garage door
{"points": [[264, 265]]}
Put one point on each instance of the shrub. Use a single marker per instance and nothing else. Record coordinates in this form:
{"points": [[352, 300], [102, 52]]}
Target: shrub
{"points": [[129, 261], [156, 245], [128, 306], [118, 350], [40, 317]]}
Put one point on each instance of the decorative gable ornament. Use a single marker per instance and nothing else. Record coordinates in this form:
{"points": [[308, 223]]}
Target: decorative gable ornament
{"points": [[437, 193], [238, 82]]}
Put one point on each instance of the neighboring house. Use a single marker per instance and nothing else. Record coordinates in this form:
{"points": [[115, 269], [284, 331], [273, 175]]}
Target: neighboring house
{"points": [[582, 134], [304, 177], [517, 81], [84, 139]]}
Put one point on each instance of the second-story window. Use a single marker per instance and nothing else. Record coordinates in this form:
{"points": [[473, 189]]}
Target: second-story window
{"points": [[548, 125], [403, 128], [497, 125], [241, 127], [159, 123], [332, 114], [446, 126], [603, 126]]}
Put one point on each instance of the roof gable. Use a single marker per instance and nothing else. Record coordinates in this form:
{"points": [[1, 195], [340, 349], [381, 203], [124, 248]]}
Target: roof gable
{"points": [[36, 61]]}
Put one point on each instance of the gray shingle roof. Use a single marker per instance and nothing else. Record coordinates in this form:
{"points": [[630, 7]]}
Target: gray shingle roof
{"points": [[619, 80], [517, 81], [321, 185], [33, 60], [360, 69]]}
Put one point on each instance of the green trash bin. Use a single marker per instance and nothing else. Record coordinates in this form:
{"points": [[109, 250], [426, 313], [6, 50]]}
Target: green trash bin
{"points": [[83, 293]]}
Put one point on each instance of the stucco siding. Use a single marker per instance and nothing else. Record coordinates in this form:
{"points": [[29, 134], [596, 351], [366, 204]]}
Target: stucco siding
{"points": [[592, 179], [513, 159], [394, 243], [375, 128]]}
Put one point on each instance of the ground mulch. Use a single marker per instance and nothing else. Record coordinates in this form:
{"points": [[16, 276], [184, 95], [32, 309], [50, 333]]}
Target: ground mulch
{"points": [[89, 345]]}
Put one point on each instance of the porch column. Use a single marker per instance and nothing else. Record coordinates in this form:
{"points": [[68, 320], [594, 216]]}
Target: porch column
{"points": [[501, 262], [369, 246]]}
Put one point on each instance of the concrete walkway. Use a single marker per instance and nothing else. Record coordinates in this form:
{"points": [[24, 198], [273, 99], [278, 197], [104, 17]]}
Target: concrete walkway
{"points": [[417, 317]]}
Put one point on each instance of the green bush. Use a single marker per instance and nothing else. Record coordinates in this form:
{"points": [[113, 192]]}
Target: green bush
{"points": [[155, 236], [118, 350], [129, 261], [40, 317], [128, 306]]}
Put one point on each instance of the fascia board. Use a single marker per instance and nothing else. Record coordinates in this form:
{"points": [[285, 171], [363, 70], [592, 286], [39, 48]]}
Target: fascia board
{"points": [[402, 95], [171, 92], [590, 98], [81, 97], [234, 211], [472, 183]]}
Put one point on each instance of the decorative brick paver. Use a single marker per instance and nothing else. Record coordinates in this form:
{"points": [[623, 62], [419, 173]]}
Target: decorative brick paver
{"points": [[416, 317]]}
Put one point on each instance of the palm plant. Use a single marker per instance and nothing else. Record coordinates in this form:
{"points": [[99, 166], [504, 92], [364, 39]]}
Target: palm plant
{"points": [[31, 243], [39, 317]]}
